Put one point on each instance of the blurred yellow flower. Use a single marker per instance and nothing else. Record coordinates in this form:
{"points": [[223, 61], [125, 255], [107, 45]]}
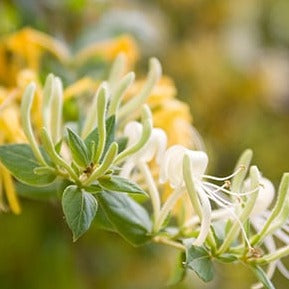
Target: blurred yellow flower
{"points": [[110, 49], [23, 49], [169, 113], [11, 132]]}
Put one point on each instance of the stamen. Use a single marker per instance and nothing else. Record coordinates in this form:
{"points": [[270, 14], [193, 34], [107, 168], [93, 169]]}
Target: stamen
{"points": [[282, 236], [222, 188], [283, 270], [221, 204], [241, 168], [215, 196]]}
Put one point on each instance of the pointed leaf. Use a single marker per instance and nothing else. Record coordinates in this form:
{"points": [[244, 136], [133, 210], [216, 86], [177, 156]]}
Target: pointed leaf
{"points": [[110, 132], [21, 162], [91, 142], [37, 193], [129, 218], [119, 184], [262, 277], [199, 260], [102, 222], [79, 208], [94, 136], [78, 148], [122, 143], [179, 272]]}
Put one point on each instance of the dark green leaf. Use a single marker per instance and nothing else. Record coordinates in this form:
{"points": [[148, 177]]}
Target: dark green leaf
{"points": [[102, 222], [79, 208], [94, 136], [110, 132], [21, 162], [129, 218], [119, 184], [199, 260], [78, 148], [91, 142], [262, 277], [122, 143]]}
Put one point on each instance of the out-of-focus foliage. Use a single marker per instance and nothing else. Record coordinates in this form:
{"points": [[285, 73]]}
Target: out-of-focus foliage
{"points": [[230, 61]]}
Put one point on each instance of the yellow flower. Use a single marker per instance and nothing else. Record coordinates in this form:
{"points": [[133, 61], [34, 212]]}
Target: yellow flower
{"points": [[7, 184], [24, 49], [11, 132], [110, 49], [169, 113]]}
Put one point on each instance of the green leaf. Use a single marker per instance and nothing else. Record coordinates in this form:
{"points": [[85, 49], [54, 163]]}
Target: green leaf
{"points": [[94, 189], [262, 277], [21, 162], [58, 146], [102, 222], [122, 143], [94, 136], [129, 218], [77, 148], [79, 208], [110, 132], [91, 142], [179, 272], [37, 193], [199, 260], [119, 184], [227, 258]]}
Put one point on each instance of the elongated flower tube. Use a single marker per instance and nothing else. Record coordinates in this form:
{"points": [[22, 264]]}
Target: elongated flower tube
{"points": [[153, 77], [154, 148], [117, 69], [26, 104], [56, 110], [143, 139], [97, 110]]}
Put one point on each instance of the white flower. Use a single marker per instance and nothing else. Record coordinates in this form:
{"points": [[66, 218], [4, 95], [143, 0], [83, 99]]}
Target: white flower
{"points": [[154, 148], [183, 167], [259, 216], [171, 169], [265, 196]]}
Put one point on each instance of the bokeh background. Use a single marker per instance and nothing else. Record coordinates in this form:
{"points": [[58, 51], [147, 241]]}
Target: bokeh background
{"points": [[230, 62]]}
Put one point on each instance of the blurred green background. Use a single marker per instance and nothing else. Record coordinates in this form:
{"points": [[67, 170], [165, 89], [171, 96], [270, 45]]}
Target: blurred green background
{"points": [[230, 62]]}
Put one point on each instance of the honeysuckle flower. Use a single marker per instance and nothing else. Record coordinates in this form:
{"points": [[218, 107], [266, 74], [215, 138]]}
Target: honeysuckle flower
{"points": [[185, 171], [265, 196], [172, 165], [23, 49], [258, 218], [153, 149]]}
